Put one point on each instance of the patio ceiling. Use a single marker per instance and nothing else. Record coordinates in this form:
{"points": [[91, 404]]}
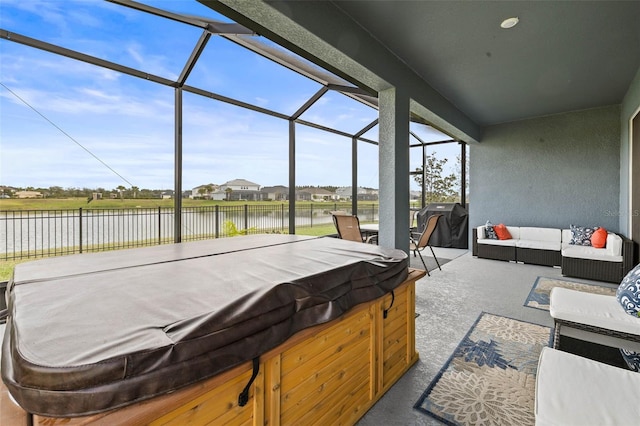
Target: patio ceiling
{"points": [[562, 56]]}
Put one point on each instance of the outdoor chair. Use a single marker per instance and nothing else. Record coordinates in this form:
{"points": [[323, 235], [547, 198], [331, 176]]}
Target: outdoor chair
{"points": [[348, 228], [422, 241]]}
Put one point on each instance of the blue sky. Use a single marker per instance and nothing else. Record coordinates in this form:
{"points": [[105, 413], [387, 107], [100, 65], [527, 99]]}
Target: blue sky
{"points": [[71, 124]]}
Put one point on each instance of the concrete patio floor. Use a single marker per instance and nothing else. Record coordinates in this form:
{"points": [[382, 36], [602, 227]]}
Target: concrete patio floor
{"points": [[449, 302]]}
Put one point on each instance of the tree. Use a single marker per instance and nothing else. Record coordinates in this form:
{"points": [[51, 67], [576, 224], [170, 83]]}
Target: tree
{"points": [[437, 187], [121, 189], [135, 190], [56, 192], [205, 191], [228, 191]]}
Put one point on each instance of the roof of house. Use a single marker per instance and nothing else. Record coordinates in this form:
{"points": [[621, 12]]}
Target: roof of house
{"points": [[277, 188], [240, 182]]}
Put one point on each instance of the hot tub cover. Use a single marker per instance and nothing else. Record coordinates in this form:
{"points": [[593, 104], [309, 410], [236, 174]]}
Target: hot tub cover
{"points": [[92, 332]]}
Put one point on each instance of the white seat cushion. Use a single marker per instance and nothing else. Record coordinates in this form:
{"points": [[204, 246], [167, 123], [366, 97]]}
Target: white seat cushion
{"points": [[540, 234], [507, 243], [571, 390], [591, 253], [592, 309]]}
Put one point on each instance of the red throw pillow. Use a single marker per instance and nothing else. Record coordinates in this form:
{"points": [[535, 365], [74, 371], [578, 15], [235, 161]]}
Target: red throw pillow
{"points": [[502, 231], [599, 238]]}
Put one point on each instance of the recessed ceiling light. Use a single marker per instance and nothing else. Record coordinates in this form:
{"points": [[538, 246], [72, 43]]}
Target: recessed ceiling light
{"points": [[510, 22]]}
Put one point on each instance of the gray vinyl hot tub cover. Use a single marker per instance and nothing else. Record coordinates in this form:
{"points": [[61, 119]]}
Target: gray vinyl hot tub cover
{"points": [[92, 332]]}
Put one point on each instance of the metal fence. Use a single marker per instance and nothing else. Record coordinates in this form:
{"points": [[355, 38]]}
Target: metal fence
{"points": [[42, 233]]}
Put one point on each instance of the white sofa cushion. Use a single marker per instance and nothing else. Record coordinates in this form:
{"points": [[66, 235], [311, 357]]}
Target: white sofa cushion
{"points": [[540, 234], [611, 253], [590, 253], [572, 390], [504, 243], [598, 310]]}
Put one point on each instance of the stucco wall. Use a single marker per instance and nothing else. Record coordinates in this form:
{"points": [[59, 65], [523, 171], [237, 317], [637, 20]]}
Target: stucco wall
{"points": [[551, 171], [630, 106]]}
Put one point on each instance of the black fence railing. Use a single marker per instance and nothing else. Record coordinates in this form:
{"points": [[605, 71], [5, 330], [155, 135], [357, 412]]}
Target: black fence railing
{"points": [[42, 233]]}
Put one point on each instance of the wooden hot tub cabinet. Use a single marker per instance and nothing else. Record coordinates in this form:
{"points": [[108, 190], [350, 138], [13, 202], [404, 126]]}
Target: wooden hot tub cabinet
{"points": [[328, 374]]}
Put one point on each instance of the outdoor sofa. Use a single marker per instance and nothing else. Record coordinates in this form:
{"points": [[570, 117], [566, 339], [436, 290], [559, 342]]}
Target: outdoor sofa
{"points": [[576, 391], [259, 329], [551, 247]]}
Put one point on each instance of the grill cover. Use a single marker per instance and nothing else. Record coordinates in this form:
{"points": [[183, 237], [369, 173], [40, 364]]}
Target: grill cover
{"points": [[453, 227], [92, 332]]}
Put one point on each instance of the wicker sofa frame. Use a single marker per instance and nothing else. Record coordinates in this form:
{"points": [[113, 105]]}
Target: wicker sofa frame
{"points": [[601, 270], [598, 270], [599, 335], [538, 256]]}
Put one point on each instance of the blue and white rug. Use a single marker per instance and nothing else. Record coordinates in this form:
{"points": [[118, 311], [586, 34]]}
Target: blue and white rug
{"points": [[490, 378], [539, 295]]}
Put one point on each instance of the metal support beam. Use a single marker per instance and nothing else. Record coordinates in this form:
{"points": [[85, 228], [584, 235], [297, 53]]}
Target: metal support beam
{"points": [[312, 100], [232, 101], [177, 159], [195, 55], [292, 177], [354, 164], [354, 175], [214, 27], [28, 41], [463, 174], [423, 190]]}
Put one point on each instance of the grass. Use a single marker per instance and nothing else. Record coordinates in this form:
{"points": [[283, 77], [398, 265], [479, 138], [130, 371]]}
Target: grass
{"points": [[6, 268]]}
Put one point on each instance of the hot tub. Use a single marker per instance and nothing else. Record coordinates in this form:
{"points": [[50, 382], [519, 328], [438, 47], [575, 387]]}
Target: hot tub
{"points": [[91, 333]]}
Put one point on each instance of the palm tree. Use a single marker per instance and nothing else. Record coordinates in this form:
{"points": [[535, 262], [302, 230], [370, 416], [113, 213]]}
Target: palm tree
{"points": [[120, 189], [228, 191], [135, 190]]}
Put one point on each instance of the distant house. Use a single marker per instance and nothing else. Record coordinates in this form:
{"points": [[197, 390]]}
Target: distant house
{"points": [[276, 193], [203, 191], [28, 194], [363, 194], [165, 195], [368, 195], [6, 191], [218, 195], [240, 185], [303, 195], [238, 190], [318, 194], [415, 195]]}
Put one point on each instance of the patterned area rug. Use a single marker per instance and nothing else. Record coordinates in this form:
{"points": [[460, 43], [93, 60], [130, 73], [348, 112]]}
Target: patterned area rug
{"points": [[490, 378], [539, 295]]}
